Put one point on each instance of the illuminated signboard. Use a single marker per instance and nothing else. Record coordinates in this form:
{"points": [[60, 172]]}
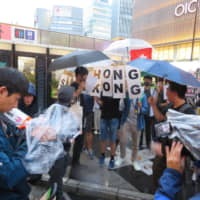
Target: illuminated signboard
{"points": [[21, 34], [187, 7], [5, 32]]}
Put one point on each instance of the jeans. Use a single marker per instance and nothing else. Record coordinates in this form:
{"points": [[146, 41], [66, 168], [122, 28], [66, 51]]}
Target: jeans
{"points": [[109, 129]]}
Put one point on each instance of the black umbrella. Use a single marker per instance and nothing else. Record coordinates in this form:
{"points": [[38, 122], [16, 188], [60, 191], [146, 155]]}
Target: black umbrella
{"points": [[77, 58]]}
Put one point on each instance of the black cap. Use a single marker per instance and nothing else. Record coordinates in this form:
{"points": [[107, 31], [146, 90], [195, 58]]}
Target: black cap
{"points": [[65, 95]]}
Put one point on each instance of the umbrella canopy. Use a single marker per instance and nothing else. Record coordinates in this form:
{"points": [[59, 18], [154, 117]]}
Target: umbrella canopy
{"points": [[77, 58], [122, 47], [165, 70]]}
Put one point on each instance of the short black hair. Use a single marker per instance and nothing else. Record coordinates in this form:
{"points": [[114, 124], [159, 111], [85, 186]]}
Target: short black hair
{"points": [[158, 79], [80, 70], [148, 77], [13, 80], [179, 89]]}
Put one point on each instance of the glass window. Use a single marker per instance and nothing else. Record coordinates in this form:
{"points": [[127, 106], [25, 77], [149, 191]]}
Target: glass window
{"points": [[27, 65], [4, 60]]}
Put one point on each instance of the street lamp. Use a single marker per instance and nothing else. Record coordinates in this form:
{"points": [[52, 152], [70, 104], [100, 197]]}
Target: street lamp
{"points": [[194, 31]]}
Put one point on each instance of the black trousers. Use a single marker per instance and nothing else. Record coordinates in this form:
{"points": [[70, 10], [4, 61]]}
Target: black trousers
{"points": [[159, 165], [149, 129], [57, 173], [78, 146]]}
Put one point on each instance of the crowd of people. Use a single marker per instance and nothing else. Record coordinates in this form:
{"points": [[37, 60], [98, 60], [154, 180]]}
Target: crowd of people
{"points": [[114, 119]]}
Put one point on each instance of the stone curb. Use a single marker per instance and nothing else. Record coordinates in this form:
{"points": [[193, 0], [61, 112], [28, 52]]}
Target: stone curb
{"points": [[100, 191]]}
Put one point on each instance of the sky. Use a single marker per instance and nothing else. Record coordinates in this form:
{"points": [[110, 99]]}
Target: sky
{"points": [[21, 12]]}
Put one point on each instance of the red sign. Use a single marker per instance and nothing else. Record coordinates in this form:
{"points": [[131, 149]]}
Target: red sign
{"points": [[5, 32], [141, 53]]}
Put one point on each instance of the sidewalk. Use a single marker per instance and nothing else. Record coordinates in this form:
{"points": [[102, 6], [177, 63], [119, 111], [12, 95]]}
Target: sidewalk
{"points": [[91, 180]]}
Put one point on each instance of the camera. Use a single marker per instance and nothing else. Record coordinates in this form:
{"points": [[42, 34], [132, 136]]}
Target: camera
{"points": [[163, 132]]}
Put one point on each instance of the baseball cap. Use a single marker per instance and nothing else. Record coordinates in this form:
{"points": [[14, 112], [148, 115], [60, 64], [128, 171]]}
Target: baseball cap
{"points": [[65, 95]]}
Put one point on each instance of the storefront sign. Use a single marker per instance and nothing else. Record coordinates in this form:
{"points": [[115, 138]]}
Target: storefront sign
{"points": [[5, 32], [21, 34], [187, 8]]}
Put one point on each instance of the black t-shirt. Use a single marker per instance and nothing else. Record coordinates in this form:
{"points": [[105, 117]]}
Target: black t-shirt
{"points": [[110, 108], [75, 85], [184, 108]]}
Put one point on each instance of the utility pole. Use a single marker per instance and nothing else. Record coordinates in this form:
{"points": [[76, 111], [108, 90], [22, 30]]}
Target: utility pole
{"points": [[194, 31]]}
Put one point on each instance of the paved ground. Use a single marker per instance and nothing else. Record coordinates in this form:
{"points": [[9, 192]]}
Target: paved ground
{"points": [[90, 172], [124, 177]]}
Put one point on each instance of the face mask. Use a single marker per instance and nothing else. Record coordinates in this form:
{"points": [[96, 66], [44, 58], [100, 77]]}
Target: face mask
{"points": [[147, 84]]}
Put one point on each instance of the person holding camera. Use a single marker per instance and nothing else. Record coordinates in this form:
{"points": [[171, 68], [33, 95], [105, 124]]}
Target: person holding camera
{"points": [[176, 97], [170, 182]]}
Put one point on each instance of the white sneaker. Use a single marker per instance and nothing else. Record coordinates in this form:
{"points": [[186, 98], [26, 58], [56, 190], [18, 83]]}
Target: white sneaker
{"points": [[119, 162], [136, 166]]}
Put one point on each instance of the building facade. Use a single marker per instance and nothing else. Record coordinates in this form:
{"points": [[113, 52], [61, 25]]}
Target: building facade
{"points": [[170, 26], [122, 14], [67, 19], [97, 19], [42, 18]]}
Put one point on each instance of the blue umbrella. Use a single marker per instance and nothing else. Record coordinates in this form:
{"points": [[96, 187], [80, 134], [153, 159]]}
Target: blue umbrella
{"points": [[165, 70]]}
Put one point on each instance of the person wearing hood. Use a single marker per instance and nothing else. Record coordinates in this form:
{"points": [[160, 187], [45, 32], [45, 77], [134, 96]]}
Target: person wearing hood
{"points": [[28, 103]]}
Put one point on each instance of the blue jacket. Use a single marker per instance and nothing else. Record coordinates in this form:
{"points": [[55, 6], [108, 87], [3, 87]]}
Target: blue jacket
{"points": [[13, 175], [170, 185], [140, 117]]}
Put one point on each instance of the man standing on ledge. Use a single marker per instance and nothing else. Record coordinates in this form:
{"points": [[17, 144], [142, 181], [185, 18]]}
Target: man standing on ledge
{"points": [[81, 74]]}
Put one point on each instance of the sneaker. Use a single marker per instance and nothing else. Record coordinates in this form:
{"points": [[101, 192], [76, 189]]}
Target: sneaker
{"points": [[102, 161], [111, 164], [119, 162], [136, 166], [91, 154]]}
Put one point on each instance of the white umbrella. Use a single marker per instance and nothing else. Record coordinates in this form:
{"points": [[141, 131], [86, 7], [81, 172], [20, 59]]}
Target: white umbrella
{"points": [[122, 47]]}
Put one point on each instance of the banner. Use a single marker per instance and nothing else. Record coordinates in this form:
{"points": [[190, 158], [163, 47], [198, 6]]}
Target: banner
{"points": [[63, 80], [111, 81], [90, 83], [133, 82], [119, 82], [97, 88], [106, 80]]}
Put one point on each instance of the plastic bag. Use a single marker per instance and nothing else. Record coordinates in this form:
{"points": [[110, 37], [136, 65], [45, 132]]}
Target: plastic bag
{"points": [[46, 134], [186, 128]]}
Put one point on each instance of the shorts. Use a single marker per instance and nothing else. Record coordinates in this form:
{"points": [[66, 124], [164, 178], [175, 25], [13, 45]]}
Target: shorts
{"points": [[109, 129], [88, 120]]}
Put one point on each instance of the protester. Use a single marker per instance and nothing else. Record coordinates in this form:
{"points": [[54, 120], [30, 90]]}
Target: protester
{"points": [[65, 97], [28, 103], [81, 74], [176, 97], [13, 184], [88, 121], [149, 116], [160, 96], [109, 126], [132, 122], [97, 117], [171, 180]]}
